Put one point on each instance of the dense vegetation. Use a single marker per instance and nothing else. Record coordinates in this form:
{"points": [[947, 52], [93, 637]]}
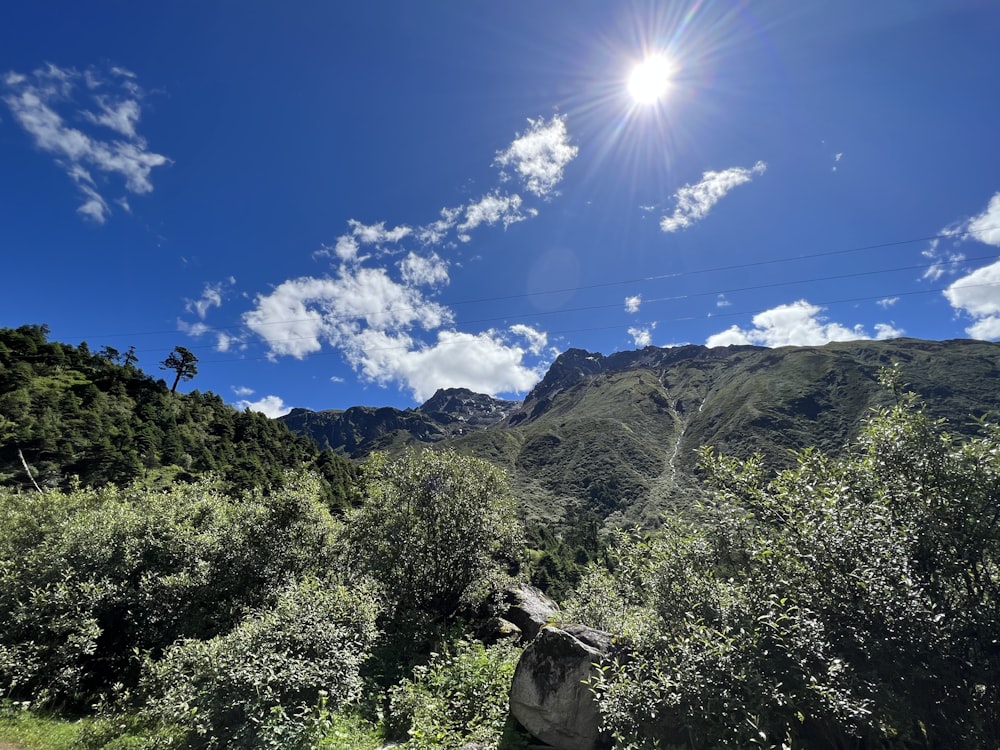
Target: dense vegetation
{"points": [[201, 619], [94, 419], [845, 600], [840, 603]]}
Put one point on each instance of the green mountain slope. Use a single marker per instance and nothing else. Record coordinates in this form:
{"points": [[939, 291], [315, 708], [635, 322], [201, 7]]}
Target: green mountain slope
{"points": [[75, 416], [618, 435]]}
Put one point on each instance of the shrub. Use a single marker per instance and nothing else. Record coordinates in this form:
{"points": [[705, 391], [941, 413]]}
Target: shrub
{"points": [[263, 678], [91, 577], [439, 531], [460, 696], [849, 602]]}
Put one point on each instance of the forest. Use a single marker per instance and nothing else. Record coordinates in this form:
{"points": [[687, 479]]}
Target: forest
{"points": [[187, 575]]}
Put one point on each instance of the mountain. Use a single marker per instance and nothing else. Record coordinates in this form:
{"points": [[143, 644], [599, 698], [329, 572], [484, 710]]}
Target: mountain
{"points": [[618, 435], [356, 432], [70, 416]]}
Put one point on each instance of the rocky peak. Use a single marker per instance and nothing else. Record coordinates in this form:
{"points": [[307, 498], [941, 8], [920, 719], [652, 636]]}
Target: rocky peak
{"points": [[461, 404]]}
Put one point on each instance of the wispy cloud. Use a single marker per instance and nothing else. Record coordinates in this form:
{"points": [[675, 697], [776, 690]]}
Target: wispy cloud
{"points": [[887, 302], [695, 201], [67, 112], [492, 209], [383, 317], [797, 324]]}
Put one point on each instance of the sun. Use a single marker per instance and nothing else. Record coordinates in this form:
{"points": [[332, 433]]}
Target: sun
{"points": [[650, 79]]}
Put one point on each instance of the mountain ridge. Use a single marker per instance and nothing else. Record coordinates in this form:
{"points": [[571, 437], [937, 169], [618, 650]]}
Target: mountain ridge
{"points": [[618, 434]]}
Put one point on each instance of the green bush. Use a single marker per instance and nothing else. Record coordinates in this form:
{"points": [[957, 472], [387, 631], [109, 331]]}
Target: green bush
{"points": [[438, 530], [90, 578], [257, 684], [460, 696], [840, 603]]}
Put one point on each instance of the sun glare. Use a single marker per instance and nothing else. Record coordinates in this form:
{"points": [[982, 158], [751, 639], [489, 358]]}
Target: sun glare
{"points": [[650, 79]]}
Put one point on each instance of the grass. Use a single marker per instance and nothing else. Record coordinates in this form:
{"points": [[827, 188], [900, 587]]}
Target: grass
{"points": [[24, 730]]}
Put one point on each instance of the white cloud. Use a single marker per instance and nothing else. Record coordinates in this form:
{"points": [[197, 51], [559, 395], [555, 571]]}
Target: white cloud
{"points": [[489, 362], [36, 101], [384, 320], [436, 231], [978, 296], [721, 301], [986, 226], [536, 340], [539, 155], [987, 329], [695, 201], [271, 406], [492, 209], [300, 314], [242, 390], [942, 262], [887, 302], [633, 303], [641, 337], [418, 270], [795, 324], [211, 297], [885, 331]]}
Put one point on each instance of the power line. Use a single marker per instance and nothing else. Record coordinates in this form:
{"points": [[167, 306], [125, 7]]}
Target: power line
{"points": [[639, 280]]}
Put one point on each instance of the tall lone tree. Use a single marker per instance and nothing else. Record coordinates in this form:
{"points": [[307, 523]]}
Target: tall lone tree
{"points": [[183, 362]]}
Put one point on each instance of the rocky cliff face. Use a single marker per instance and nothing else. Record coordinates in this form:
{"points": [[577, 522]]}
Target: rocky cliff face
{"points": [[360, 430]]}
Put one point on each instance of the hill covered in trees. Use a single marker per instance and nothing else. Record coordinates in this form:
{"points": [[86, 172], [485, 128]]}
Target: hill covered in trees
{"points": [[93, 418]]}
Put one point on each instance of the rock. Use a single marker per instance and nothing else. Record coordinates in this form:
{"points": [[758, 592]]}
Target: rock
{"points": [[549, 696], [498, 629], [529, 609]]}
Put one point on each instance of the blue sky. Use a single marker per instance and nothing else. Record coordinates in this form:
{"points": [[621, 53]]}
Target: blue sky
{"points": [[334, 204]]}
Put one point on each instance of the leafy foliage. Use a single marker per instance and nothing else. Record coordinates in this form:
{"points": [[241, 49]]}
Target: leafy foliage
{"points": [[254, 686], [842, 603], [89, 578], [459, 697], [81, 417], [439, 531]]}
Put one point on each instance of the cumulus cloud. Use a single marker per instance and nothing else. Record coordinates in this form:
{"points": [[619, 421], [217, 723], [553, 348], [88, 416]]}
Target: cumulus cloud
{"points": [[641, 337], [489, 362], [633, 303], [421, 270], [383, 318], [797, 324], [48, 100], [695, 201], [977, 295], [300, 314], [271, 406], [539, 155]]}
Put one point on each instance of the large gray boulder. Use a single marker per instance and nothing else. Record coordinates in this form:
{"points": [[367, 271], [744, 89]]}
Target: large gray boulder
{"points": [[529, 609], [549, 695]]}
